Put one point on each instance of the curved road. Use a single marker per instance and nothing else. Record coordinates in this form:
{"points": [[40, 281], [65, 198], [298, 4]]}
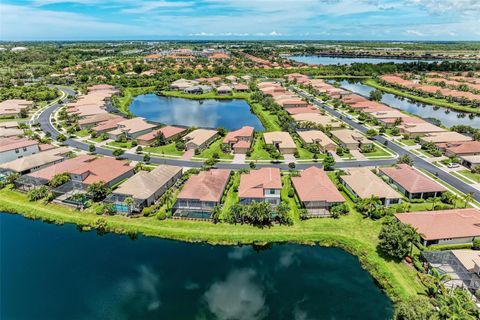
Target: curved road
{"points": [[46, 126]]}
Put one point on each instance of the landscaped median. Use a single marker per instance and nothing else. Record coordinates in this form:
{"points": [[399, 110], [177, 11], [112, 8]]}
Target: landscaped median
{"points": [[352, 233]]}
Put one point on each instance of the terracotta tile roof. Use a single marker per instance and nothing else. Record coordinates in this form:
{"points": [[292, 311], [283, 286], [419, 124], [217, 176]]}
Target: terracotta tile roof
{"points": [[168, 132], [206, 186], [315, 136], [465, 147], [300, 110], [444, 224], [104, 169], [62, 167], [233, 136], [36, 160], [108, 125], [447, 136], [313, 184], [412, 180], [283, 139], [253, 184]]}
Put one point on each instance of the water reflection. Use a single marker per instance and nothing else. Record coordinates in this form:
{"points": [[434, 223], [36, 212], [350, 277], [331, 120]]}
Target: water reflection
{"points": [[447, 117], [112, 277], [231, 114]]}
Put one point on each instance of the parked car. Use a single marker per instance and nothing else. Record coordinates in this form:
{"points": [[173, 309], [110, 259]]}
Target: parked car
{"points": [[453, 165]]}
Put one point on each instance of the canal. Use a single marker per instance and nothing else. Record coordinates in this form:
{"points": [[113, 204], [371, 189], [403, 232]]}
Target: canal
{"points": [[56, 272], [209, 113], [446, 116]]}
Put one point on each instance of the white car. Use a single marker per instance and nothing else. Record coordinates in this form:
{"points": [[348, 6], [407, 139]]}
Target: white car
{"points": [[453, 165]]}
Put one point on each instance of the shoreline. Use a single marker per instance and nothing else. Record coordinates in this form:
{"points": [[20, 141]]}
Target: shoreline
{"points": [[397, 285], [429, 100]]}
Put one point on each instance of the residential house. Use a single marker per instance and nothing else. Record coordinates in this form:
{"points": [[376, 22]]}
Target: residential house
{"points": [[131, 128], [240, 87], [471, 161], [201, 193], [456, 149], [13, 148], [319, 138], [280, 140], [198, 89], [95, 119], [224, 90], [240, 140], [14, 107], [65, 166], [36, 161], [413, 184], [363, 183], [316, 191], [107, 170], [146, 187], [169, 133], [260, 185], [318, 119], [453, 226], [414, 130], [350, 139], [199, 139], [444, 137], [182, 84]]}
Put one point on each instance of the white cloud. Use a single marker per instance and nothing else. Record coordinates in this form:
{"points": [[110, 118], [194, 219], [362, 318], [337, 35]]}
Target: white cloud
{"points": [[415, 33], [149, 6], [238, 297]]}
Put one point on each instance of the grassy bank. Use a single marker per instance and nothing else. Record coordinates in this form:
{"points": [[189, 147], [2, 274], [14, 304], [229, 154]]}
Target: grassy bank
{"points": [[122, 103], [430, 100], [353, 233]]}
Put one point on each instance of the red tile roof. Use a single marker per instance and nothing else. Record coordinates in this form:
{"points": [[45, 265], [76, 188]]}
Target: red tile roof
{"points": [[445, 224], [62, 167], [465, 147], [233, 136], [104, 169], [168, 132], [412, 180], [206, 186], [313, 184], [253, 184]]}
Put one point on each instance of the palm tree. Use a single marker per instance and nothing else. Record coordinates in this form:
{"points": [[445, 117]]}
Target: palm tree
{"points": [[413, 237], [370, 205], [467, 198], [434, 202]]}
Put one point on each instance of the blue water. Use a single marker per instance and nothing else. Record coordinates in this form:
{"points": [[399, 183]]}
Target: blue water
{"points": [[341, 60], [51, 272], [447, 117], [230, 114]]}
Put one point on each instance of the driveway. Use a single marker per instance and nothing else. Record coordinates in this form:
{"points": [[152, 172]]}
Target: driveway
{"points": [[188, 155], [357, 154], [239, 158], [289, 158]]}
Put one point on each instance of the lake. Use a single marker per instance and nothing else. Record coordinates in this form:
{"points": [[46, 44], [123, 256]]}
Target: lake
{"points": [[56, 272], [448, 117], [230, 114], [325, 60]]}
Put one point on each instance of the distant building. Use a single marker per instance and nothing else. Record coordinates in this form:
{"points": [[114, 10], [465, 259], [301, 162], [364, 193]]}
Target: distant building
{"points": [[14, 148]]}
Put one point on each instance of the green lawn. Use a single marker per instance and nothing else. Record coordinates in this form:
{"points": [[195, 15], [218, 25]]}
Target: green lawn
{"points": [[269, 120], [292, 203], [408, 142], [459, 176], [352, 232], [469, 174], [125, 145], [169, 149], [430, 100], [122, 103], [232, 196], [82, 133], [302, 152], [258, 151], [378, 152], [215, 147]]}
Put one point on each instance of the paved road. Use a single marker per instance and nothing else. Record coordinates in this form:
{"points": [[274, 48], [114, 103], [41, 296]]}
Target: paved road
{"points": [[44, 120], [418, 162]]}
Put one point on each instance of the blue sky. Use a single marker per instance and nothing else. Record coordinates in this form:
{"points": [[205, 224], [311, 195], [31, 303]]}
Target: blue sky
{"points": [[240, 19]]}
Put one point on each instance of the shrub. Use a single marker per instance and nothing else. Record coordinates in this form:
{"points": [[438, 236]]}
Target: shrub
{"points": [[37, 193], [476, 244]]}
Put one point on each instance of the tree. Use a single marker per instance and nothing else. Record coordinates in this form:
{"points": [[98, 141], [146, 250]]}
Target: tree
{"points": [[61, 138], [146, 158], [98, 191], [369, 206], [393, 240], [414, 308], [59, 179], [405, 159], [376, 95], [160, 139], [129, 202], [92, 148], [328, 162], [371, 133], [37, 193], [283, 214], [216, 211], [467, 198], [117, 152]]}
